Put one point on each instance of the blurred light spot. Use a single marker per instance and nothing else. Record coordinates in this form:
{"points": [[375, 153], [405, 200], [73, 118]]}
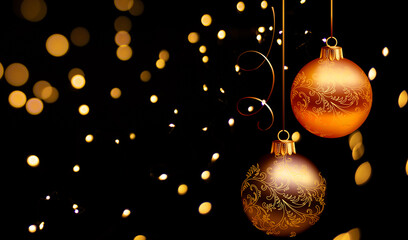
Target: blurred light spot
{"points": [[355, 138], [372, 74], [42, 89], [123, 5], [221, 34], [33, 10], [363, 173], [137, 9], [402, 99], [124, 52], [117, 141], [231, 122], [296, 136], [122, 38], [193, 37], [182, 189], [33, 161], [354, 234], [41, 226], [34, 106], [76, 211], [125, 213], [160, 63], [132, 136], [204, 129], [139, 237], [205, 175], [302, 1], [76, 168], [205, 59], [1, 70], [75, 206], [32, 228], [206, 20], [164, 54], [54, 94], [259, 38], [80, 36], [406, 167], [279, 41], [83, 109], [175, 111], [205, 88], [250, 108], [237, 68], [89, 138], [261, 29], [75, 71], [215, 157], [172, 125], [163, 177], [264, 4], [17, 99], [57, 45], [122, 23], [145, 76], [385, 51], [240, 6], [115, 93], [222, 90], [78, 81], [358, 151], [204, 208], [202, 49], [154, 99], [16, 74]]}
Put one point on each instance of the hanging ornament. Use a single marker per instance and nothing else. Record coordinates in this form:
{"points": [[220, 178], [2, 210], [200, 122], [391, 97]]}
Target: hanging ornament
{"points": [[331, 96], [284, 193]]}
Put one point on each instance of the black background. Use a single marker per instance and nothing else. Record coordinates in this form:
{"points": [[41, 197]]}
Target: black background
{"points": [[114, 177]]}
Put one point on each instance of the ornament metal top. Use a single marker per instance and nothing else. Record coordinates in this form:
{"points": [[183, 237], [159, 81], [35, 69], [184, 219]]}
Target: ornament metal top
{"points": [[331, 96]]}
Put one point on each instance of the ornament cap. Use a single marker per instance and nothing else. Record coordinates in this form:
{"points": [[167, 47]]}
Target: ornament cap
{"points": [[331, 53], [283, 147]]}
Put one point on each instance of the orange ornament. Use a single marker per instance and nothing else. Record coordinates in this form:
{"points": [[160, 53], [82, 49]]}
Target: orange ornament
{"points": [[331, 96]]}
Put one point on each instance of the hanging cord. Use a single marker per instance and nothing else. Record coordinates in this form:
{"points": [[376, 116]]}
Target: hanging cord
{"points": [[283, 64], [331, 18]]}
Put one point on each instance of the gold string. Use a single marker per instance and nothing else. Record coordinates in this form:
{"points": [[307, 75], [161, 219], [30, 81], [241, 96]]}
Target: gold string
{"points": [[331, 18], [283, 64]]}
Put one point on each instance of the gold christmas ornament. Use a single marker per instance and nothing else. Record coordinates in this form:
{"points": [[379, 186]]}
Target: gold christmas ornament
{"points": [[331, 96], [283, 194]]}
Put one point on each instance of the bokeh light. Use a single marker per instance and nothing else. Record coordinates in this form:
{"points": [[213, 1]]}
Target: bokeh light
{"points": [[32, 228], [296, 136], [122, 23], [17, 99], [83, 109], [154, 99], [137, 9], [33, 161], [115, 93], [160, 63], [16, 74], [182, 189], [57, 45], [215, 157], [124, 52], [80, 36], [163, 177], [145, 76], [123, 5], [122, 38], [193, 37], [34, 106], [75, 71], [402, 99], [372, 74], [89, 138], [204, 208], [126, 213], [42, 89], [78, 81], [385, 51], [140, 237], [240, 6], [164, 54], [33, 10], [363, 173], [206, 20], [221, 34], [205, 175], [76, 168]]}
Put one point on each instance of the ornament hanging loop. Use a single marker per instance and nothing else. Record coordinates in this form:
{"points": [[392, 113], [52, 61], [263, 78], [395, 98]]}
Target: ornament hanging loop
{"points": [[328, 39], [287, 133]]}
